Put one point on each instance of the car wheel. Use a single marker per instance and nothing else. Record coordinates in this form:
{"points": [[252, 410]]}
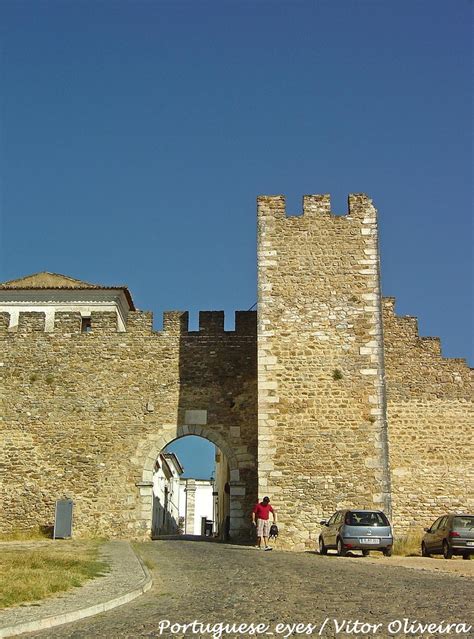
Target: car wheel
{"points": [[447, 551], [322, 548], [466, 556], [366, 553], [341, 551], [387, 552], [424, 551]]}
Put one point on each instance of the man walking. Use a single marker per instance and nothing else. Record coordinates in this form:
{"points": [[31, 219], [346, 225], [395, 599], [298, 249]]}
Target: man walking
{"points": [[261, 519]]}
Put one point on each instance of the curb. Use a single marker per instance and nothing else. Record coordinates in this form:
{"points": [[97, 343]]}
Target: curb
{"points": [[82, 613]]}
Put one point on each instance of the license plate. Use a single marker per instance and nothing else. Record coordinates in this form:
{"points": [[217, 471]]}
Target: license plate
{"points": [[369, 540], [469, 543]]}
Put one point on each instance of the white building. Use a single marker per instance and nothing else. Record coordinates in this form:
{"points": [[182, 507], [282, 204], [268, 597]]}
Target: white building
{"points": [[204, 500], [49, 293], [166, 495], [185, 505], [197, 505]]}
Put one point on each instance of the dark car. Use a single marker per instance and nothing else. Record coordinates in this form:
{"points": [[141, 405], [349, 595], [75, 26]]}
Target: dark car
{"points": [[451, 535], [364, 530]]}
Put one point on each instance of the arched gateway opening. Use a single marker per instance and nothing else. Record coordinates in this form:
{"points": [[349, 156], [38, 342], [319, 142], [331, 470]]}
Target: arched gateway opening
{"points": [[233, 486], [191, 490]]}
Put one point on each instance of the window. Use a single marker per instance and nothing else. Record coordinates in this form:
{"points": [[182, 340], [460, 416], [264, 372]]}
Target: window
{"points": [[361, 518], [442, 523], [332, 520], [464, 522], [436, 524], [86, 326]]}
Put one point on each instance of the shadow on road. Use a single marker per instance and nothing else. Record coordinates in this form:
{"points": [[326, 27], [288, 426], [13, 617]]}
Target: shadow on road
{"points": [[334, 554], [203, 538]]}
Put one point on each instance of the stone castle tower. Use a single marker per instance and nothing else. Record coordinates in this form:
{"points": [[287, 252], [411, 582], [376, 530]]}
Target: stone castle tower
{"points": [[332, 401]]}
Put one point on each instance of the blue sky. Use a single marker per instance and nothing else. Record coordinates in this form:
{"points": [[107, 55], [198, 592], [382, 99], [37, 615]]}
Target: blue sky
{"points": [[135, 137], [196, 455]]}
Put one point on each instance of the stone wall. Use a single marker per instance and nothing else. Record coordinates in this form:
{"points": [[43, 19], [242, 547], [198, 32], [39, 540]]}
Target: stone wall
{"points": [[322, 432], [86, 414], [430, 415], [222, 499], [354, 408]]}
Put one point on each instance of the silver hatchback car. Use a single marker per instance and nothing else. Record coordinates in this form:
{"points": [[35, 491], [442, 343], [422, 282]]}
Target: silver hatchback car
{"points": [[451, 534], [364, 530]]}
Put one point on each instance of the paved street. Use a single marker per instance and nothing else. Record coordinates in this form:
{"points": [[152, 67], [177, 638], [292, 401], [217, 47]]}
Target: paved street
{"points": [[212, 583]]}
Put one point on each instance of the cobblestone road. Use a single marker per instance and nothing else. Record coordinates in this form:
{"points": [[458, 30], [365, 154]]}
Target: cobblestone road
{"points": [[214, 583]]}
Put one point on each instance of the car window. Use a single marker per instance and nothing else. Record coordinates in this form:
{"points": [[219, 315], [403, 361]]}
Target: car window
{"points": [[364, 518], [338, 518], [465, 522], [434, 526], [331, 521], [442, 523]]}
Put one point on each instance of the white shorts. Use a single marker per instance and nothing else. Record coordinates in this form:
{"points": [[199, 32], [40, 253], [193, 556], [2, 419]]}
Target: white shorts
{"points": [[263, 527]]}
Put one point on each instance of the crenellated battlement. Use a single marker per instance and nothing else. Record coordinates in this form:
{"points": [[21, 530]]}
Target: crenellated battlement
{"points": [[461, 361], [431, 344], [407, 329], [388, 305], [70, 322], [31, 322], [409, 325], [139, 323], [317, 205], [4, 321], [211, 323], [103, 322], [246, 322]]}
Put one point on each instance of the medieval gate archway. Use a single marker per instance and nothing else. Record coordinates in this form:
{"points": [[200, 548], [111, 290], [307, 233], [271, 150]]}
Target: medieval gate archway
{"points": [[241, 493]]}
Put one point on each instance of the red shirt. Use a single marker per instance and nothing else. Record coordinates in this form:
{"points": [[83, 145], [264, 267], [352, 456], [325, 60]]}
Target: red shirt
{"points": [[262, 511]]}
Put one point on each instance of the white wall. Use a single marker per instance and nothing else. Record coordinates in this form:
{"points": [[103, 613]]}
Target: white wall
{"points": [[165, 516], [203, 504], [49, 301], [182, 498]]}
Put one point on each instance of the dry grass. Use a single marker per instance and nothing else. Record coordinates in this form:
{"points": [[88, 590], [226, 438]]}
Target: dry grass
{"points": [[409, 545], [34, 534], [30, 574]]}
